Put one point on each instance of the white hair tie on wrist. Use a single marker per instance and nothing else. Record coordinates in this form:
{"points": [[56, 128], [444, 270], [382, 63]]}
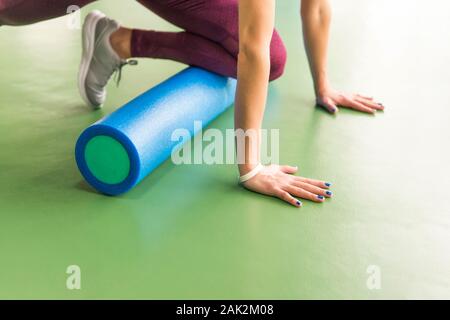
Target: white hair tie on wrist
{"points": [[251, 174]]}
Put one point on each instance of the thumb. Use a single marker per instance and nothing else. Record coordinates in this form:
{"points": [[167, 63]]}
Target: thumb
{"points": [[328, 104], [289, 169]]}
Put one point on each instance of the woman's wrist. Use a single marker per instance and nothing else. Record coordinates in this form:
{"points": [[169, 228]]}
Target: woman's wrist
{"points": [[246, 168], [321, 84], [322, 89], [251, 174]]}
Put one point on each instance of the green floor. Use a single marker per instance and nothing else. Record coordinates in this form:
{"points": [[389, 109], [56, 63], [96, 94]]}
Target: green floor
{"points": [[189, 231]]}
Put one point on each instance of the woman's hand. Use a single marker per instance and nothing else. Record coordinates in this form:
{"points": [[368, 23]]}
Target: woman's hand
{"points": [[279, 181], [331, 99], [316, 17]]}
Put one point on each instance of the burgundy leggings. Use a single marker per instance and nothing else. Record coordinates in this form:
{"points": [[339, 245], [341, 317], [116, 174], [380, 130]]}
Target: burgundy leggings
{"points": [[210, 39]]}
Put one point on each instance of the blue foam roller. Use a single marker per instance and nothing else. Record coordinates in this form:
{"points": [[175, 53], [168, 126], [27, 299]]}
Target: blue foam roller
{"points": [[117, 152]]}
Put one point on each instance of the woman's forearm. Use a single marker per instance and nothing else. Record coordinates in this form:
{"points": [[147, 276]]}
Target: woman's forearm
{"points": [[316, 18], [256, 23], [253, 74]]}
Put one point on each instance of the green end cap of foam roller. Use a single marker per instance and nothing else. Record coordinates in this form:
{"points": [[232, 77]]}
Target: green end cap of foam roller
{"points": [[107, 159]]}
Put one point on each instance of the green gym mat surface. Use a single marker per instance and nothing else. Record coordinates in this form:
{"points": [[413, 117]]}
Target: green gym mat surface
{"points": [[189, 232]]}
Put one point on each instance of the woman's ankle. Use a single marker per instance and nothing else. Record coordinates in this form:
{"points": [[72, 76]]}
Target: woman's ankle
{"points": [[121, 42]]}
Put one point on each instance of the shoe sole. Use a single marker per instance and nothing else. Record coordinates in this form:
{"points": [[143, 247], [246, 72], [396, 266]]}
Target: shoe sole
{"points": [[88, 42]]}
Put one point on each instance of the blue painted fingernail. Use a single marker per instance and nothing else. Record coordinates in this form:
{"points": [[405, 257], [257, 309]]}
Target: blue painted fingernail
{"points": [[329, 193], [299, 203], [328, 184], [320, 197]]}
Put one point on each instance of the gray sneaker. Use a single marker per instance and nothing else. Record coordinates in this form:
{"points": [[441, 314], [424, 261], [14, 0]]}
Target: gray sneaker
{"points": [[99, 60]]}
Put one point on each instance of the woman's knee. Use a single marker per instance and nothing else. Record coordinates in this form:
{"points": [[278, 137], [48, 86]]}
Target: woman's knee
{"points": [[278, 57]]}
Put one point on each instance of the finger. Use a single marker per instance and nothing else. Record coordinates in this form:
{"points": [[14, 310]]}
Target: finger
{"points": [[317, 183], [364, 97], [358, 106], [289, 169], [328, 104], [370, 104], [299, 192], [313, 189], [283, 195]]}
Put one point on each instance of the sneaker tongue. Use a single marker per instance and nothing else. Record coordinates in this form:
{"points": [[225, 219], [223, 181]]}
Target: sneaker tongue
{"points": [[106, 61], [110, 50], [103, 25]]}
